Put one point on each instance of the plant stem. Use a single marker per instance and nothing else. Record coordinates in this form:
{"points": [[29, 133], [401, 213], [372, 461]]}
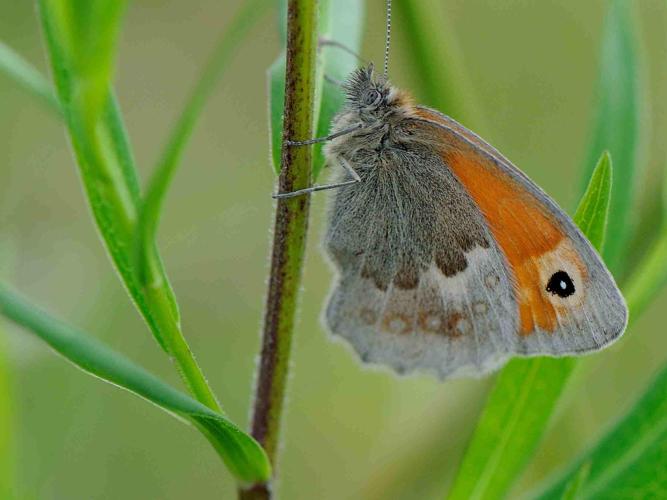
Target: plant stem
{"points": [[291, 224]]}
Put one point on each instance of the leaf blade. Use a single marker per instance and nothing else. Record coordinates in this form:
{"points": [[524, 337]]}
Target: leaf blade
{"points": [[240, 452], [172, 152], [27, 76], [105, 161], [507, 433], [616, 125], [595, 202]]}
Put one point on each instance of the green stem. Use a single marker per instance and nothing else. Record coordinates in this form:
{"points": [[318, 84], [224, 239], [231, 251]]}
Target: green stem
{"points": [[164, 311], [291, 224]]}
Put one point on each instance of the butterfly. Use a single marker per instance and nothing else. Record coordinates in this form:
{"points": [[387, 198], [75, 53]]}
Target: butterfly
{"points": [[449, 259]]}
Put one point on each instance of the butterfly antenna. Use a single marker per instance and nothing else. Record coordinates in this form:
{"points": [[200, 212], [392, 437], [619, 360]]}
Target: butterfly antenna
{"points": [[387, 41]]}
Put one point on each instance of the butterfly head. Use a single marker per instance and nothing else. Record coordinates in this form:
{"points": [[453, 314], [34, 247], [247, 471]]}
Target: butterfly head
{"points": [[373, 98]]}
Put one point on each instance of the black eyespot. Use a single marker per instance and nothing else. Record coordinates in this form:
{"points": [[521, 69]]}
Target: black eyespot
{"points": [[561, 284], [372, 97]]}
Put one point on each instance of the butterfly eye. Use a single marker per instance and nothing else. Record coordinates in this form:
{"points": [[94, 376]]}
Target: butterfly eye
{"points": [[561, 284], [372, 97]]}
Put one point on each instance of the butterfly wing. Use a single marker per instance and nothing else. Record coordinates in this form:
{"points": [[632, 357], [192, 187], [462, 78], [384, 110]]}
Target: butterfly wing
{"points": [[567, 300], [446, 262]]}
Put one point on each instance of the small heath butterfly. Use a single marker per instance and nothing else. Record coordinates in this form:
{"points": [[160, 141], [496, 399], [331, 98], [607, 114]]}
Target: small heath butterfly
{"points": [[449, 259]]}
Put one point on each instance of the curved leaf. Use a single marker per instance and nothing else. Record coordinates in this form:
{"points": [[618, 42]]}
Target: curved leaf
{"points": [[169, 161], [526, 390], [616, 125], [82, 75], [243, 456], [591, 215]]}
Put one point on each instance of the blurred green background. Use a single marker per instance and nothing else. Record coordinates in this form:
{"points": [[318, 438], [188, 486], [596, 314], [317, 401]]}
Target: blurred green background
{"points": [[349, 432]]}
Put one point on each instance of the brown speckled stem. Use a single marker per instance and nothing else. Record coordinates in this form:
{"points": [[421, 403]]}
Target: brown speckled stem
{"points": [[290, 228]]}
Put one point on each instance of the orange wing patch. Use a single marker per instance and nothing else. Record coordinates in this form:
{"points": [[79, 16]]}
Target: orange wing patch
{"points": [[521, 229], [524, 230]]}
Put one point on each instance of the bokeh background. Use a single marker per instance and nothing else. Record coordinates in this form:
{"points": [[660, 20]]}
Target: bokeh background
{"points": [[349, 432]]}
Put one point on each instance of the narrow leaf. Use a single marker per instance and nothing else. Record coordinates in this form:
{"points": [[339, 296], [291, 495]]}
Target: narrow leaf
{"points": [[21, 71], [629, 462], [243, 456], [592, 210], [148, 264], [576, 483], [526, 390], [103, 156], [88, 31], [341, 22], [106, 164], [169, 161], [616, 126]]}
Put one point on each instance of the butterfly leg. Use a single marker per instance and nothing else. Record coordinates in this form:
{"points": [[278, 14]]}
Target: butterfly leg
{"points": [[344, 163], [327, 42], [333, 81], [325, 138]]}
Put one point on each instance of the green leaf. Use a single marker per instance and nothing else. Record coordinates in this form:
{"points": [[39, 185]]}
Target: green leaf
{"points": [[629, 462], [578, 479], [342, 22], [106, 164], [594, 206], [17, 68], [616, 126], [169, 161], [103, 154], [87, 31], [526, 390], [241, 453], [148, 264]]}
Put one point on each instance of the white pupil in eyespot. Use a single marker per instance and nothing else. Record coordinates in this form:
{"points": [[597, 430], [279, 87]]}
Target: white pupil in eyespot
{"points": [[561, 284]]}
